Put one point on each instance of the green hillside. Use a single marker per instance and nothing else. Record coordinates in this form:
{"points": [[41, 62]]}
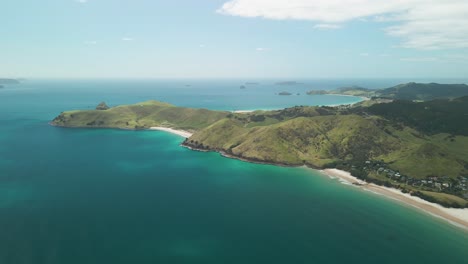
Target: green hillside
{"points": [[140, 116], [424, 91], [437, 116], [418, 147], [408, 91]]}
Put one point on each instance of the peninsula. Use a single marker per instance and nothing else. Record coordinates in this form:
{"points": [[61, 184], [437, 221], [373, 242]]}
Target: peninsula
{"points": [[407, 91], [398, 144]]}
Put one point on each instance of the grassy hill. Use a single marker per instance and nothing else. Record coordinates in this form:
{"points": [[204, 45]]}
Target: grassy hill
{"points": [[437, 116], [408, 91], [424, 91], [140, 116], [418, 147]]}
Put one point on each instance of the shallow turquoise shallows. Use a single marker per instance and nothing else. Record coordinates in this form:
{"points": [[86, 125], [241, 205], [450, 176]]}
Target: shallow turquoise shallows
{"points": [[100, 196]]}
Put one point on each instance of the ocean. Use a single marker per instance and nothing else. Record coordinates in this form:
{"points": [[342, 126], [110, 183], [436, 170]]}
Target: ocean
{"points": [[114, 196]]}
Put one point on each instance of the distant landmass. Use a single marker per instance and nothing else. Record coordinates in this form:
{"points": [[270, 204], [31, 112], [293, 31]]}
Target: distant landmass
{"points": [[418, 147], [284, 93], [408, 91], [288, 83], [242, 87], [9, 81]]}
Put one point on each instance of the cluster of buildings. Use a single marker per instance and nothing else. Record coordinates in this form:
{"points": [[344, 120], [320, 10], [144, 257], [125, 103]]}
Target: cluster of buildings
{"points": [[442, 183]]}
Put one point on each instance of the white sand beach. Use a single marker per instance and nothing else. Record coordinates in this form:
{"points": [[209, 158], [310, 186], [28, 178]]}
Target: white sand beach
{"points": [[458, 217], [243, 111], [181, 133]]}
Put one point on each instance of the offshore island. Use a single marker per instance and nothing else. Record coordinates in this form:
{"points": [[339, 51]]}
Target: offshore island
{"points": [[408, 142]]}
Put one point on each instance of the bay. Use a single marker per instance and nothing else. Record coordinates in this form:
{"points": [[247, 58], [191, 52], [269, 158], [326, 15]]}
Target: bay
{"points": [[114, 196]]}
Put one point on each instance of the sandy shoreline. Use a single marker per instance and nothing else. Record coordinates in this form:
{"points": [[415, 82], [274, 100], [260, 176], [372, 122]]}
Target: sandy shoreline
{"points": [[458, 217], [181, 133]]}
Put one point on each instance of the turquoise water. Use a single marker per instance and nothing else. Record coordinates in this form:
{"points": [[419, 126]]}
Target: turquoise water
{"points": [[113, 196]]}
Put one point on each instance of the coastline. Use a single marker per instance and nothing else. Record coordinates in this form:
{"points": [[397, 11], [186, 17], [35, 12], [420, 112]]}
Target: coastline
{"points": [[454, 216], [457, 217], [178, 132]]}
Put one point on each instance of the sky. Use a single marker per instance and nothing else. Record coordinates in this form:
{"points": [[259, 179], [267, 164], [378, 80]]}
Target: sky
{"points": [[234, 39]]}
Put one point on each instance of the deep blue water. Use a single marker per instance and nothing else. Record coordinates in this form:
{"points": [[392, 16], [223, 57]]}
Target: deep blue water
{"points": [[114, 196]]}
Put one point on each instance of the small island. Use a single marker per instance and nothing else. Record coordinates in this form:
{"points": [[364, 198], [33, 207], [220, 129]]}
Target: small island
{"points": [[288, 83], [102, 106], [284, 93], [9, 81]]}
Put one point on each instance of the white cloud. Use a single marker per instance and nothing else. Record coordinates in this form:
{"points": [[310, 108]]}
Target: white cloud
{"points": [[127, 39], [422, 24], [327, 26]]}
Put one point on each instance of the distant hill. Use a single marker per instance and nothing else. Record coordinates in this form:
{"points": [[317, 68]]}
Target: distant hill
{"points": [[288, 83], [424, 91], [9, 81], [432, 117], [140, 116], [408, 91]]}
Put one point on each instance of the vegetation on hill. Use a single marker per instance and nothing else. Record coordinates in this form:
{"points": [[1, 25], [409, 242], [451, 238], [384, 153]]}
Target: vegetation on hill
{"points": [[408, 91], [140, 116], [420, 148], [424, 91], [433, 117]]}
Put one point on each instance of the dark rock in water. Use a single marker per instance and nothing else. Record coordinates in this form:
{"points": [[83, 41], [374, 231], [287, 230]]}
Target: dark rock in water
{"points": [[285, 93], [242, 87], [102, 106]]}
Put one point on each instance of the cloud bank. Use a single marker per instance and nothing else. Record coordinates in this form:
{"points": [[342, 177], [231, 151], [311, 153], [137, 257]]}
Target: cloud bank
{"points": [[421, 24]]}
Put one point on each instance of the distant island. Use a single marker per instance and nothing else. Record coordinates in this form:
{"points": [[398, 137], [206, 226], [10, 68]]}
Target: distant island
{"points": [[284, 93], [408, 91], [242, 87], [288, 83], [397, 144], [9, 81]]}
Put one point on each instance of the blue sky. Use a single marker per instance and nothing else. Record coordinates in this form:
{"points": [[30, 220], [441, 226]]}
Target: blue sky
{"points": [[233, 39]]}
